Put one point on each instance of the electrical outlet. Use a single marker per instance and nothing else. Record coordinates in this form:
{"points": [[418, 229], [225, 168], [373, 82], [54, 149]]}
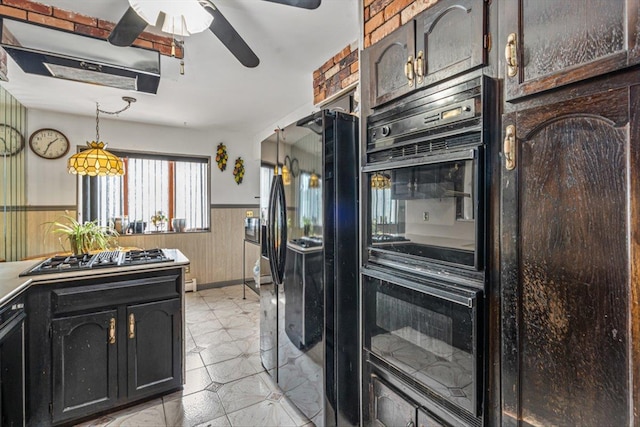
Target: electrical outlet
{"points": [[425, 216], [249, 214]]}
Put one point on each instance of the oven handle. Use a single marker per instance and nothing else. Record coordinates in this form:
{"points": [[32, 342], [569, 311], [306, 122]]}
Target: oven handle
{"points": [[466, 298], [468, 154]]}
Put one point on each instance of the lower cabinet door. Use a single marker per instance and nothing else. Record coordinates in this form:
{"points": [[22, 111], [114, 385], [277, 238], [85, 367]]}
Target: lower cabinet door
{"points": [[154, 355], [390, 409], [85, 353]]}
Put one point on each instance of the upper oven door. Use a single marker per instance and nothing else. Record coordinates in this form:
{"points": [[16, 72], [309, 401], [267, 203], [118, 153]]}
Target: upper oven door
{"points": [[427, 208]]}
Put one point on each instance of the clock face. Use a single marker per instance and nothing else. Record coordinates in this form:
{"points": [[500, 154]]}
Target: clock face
{"points": [[11, 141], [49, 143]]}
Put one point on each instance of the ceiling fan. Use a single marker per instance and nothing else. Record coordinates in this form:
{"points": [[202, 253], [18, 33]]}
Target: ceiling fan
{"points": [[132, 24]]}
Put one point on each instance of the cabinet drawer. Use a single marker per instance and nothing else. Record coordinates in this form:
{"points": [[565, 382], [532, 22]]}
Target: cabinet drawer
{"points": [[80, 298]]}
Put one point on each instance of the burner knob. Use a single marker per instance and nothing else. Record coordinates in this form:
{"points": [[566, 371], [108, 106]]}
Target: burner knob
{"points": [[385, 130]]}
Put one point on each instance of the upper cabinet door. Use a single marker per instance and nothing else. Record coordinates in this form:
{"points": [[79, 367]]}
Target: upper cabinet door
{"points": [[391, 65], [551, 43], [450, 39]]}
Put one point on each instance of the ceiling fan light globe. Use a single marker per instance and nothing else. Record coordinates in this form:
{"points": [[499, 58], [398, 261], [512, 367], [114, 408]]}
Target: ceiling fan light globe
{"points": [[176, 13]]}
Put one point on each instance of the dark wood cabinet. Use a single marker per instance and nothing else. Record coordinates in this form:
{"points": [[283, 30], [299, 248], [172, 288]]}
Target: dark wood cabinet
{"points": [[85, 364], [390, 64], [440, 43], [12, 389], [153, 347], [553, 43], [565, 261], [99, 343], [451, 38]]}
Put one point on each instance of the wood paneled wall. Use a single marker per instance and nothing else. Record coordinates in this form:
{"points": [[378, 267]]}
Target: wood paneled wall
{"points": [[216, 256]]}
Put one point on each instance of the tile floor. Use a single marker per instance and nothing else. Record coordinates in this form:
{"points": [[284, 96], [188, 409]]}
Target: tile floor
{"points": [[226, 384]]}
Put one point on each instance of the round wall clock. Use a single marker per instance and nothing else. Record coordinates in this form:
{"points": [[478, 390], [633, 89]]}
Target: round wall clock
{"points": [[49, 143], [11, 140]]}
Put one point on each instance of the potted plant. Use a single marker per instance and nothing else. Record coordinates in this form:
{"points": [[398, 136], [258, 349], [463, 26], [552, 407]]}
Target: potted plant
{"points": [[158, 220], [84, 237]]}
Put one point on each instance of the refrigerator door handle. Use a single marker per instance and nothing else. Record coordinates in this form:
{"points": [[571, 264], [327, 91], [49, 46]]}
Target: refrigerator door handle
{"points": [[277, 217]]}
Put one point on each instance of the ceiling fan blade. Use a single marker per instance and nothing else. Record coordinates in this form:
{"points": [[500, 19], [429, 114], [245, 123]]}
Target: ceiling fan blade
{"points": [[230, 38], [127, 30], [305, 4]]}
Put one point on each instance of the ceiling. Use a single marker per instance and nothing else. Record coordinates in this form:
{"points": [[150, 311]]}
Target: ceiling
{"points": [[216, 91]]}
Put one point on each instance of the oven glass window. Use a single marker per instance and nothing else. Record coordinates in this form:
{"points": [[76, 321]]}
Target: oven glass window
{"points": [[430, 339], [425, 211]]}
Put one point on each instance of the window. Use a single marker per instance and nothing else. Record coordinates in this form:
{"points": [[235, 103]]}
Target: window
{"points": [[310, 201], [177, 186]]}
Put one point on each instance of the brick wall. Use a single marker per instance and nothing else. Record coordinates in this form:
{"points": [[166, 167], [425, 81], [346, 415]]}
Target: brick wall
{"points": [[381, 17], [51, 16], [337, 73]]}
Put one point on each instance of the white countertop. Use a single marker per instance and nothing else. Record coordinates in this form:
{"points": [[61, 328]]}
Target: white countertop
{"points": [[11, 284]]}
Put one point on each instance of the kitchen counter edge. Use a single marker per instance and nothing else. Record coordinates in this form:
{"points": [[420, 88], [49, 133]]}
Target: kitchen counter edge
{"points": [[11, 284]]}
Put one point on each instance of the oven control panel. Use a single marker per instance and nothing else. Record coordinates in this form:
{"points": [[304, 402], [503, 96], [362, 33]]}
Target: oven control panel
{"points": [[381, 135]]}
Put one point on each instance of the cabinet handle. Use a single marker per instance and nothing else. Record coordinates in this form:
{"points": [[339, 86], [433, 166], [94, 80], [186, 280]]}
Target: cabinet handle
{"points": [[418, 66], [509, 147], [408, 70], [510, 54], [112, 330], [132, 326]]}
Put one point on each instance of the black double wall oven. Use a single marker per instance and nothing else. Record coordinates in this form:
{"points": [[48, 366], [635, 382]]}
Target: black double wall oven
{"points": [[424, 266]]}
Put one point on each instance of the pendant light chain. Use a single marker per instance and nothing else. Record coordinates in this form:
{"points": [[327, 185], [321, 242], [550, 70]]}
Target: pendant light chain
{"points": [[97, 122]]}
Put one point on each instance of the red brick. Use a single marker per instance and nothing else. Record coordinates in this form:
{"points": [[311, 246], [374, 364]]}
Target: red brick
{"points": [[316, 74], [366, 14], [367, 40], [75, 17], [91, 31], [354, 67], [106, 25], [319, 97], [378, 6], [349, 80], [349, 59], [367, 2], [318, 80], [395, 7], [29, 6], [375, 22], [156, 38], [344, 52], [332, 71], [50, 21], [143, 43], [385, 29], [13, 12], [166, 50], [326, 66]]}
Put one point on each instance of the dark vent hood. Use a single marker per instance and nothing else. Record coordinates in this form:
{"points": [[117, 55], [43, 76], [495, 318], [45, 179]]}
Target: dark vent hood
{"points": [[70, 56]]}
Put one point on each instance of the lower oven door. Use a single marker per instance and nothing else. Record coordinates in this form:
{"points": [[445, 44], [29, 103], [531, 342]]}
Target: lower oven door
{"points": [[428, 332]]}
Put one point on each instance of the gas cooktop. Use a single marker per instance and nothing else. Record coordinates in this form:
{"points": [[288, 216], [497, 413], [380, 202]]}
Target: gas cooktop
{"points": [[62, 263]]}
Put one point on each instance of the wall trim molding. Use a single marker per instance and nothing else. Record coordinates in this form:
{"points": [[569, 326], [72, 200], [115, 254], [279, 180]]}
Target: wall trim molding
{"points": [[223, 206], [40, 208]]}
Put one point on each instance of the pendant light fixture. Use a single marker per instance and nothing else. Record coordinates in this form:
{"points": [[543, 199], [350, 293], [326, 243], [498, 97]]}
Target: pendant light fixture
{"points": [[314, 181], [95, 160]]}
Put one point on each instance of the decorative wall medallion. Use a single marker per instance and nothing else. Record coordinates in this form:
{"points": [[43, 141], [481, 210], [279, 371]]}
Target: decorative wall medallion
{"points": [[222, 156], [238, 170]]}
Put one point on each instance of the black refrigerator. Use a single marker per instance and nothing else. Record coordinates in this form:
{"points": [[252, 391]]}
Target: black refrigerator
{"points": [[309, 313]]}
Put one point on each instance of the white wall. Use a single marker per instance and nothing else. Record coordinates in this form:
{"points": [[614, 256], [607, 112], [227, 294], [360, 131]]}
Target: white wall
{"points": [[49, 183]]}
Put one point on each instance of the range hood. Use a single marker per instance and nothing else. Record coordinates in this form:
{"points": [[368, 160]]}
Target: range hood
{"points": [[70, 56]]}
